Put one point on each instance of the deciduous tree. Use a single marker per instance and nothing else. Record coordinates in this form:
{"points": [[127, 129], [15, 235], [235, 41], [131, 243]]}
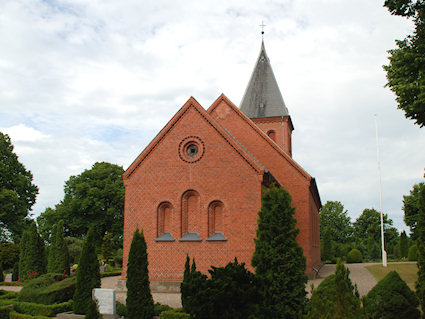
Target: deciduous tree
{"points": [[420, 284], [411, 208], [278, 258], [335, 218], [17, 192]]}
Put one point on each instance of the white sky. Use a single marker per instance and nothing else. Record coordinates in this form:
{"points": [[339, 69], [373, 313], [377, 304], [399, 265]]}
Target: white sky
{"points": [[85, 81]]}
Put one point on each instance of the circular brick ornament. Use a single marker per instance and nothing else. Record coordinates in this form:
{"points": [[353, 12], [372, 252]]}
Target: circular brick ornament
{"points": [[191, 149]]}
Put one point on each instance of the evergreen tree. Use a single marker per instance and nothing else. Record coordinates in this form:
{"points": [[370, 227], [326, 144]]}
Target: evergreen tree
{"points": [[184, 286], [107, 248], [88, 275], [420, 228], [326, 245], [139, 297], [32, 257], [403, 245], [93, 310], [58, 260], [278, 258], [15, 272], [1, 272], [391, 298]]}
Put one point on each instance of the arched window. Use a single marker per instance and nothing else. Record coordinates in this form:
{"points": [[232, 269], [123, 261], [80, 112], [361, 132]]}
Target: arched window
{"points": [[190, 216], [272, 135], [215, 221], [164, 222]]}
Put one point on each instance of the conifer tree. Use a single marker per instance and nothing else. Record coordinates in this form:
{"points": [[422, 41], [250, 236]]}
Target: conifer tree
{"points": [[404, 245], [107, 247], [58, 260], [327, 245], [1, 272], [32, 257], [139, 297], [184, 286], [278, 258], [420, 242], [88, 275]]}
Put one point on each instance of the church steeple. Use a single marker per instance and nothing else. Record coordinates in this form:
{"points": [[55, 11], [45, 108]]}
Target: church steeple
{"points": [[262, 97]]}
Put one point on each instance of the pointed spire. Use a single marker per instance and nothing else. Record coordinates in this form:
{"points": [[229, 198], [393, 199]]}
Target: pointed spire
{"points": [[262, 97]]}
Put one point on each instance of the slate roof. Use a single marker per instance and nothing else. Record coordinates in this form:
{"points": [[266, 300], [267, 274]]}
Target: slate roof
{"points": [[262, 97]]}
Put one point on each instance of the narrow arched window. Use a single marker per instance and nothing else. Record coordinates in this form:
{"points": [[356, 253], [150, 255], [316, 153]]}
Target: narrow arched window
{"points": [[190, 216], [215, 221], [272, 135], [164, 216]]}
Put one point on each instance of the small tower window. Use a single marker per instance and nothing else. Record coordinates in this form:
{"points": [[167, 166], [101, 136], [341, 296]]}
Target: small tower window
{"points": [[272, 135]]}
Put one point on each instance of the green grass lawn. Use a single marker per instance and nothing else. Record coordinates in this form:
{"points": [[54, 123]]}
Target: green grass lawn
{"points": [[407, 271]]}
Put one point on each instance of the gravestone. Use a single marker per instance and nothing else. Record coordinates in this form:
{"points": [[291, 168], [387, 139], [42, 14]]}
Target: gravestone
{"points": [[106, 301]]}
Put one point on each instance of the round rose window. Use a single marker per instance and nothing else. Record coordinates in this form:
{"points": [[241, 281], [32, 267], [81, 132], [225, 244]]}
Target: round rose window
{"points": [[191, 149]]}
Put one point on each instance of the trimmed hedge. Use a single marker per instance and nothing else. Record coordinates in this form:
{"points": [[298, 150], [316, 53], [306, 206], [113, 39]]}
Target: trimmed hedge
{"points": [[4, 312], [35, 309], [47, 290], [11, 283], [354, 256], [173, 314], [8, 294], [158, 308], [110, 274], [17, 315]]}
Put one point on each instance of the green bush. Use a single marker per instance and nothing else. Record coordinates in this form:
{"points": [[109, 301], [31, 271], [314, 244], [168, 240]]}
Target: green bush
{"points": [[36, 309], [173, 314], [17, 315], [121, 309], [354, 256], [48, 289], [391, 298], [15, 272], [8, 294], [118, 257], [413, 253], [110, 274], [9, 254], [1, 272], [4, 312], [158, 308]]}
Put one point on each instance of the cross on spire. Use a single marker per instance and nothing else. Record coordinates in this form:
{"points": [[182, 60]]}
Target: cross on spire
{"points": [[262, 25]]}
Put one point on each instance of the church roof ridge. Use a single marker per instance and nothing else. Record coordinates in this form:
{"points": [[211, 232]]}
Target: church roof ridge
{"points": [[262, 97]]}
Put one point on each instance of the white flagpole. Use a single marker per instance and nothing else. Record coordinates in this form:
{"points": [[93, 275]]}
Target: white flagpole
{"points": [[384, 253]]}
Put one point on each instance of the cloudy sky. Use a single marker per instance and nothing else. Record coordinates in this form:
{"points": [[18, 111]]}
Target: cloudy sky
{"points": [[86, 81]]}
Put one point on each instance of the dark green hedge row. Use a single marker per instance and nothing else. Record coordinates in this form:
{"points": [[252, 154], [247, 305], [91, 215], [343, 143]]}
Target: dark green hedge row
{"points": [[17, 315], [172, 314], [8, 294], [4, 312], [11, 283], [110, 274], [35, 309], [48, 289]]}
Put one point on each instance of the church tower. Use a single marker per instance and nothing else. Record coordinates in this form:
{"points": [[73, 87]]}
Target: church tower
{"points": [[264, 105]]}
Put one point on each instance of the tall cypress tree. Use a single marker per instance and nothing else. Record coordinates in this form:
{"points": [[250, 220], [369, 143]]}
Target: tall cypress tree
{"points": [[88, 275], [139, 297], [404, 245], [278, 258], [32, 257], [420, 242], [184, 286], [58, 260]]}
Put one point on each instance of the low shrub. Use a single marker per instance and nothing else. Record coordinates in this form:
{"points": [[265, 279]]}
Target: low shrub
{"points": [[12, 283], [110, 274], [173, 314], [17, 315], [158, 308], [121, 309], [4, 312], [48, 289], [36, 309], [413, 253], [354, 256], [391, 298], [8, 294]]}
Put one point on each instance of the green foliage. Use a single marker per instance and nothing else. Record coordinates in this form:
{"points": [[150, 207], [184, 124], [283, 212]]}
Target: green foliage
{"points": [[139, 297], [9, 254], [334, 218], [121, 309], [88, 276], [403, 245], [48, 289], [354, 256], [118, 257], [93, 198], [58, 261], [17, 315], [15, 272], [391, 298], [158, 308], [411, 208], [406, 68], [373, 251], [74, 248], [278, 258], [172, 314], [36, 309], [413, 253], [1, 272], [326, 245], [93, 310], [420, 228], [107, 248], [17, 193], [335, 297], [4, 312], [32, 258], [185, 286]]}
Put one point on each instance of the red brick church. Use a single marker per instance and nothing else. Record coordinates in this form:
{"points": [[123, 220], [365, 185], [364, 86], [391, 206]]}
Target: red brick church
{"points": [[196, 188]]}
